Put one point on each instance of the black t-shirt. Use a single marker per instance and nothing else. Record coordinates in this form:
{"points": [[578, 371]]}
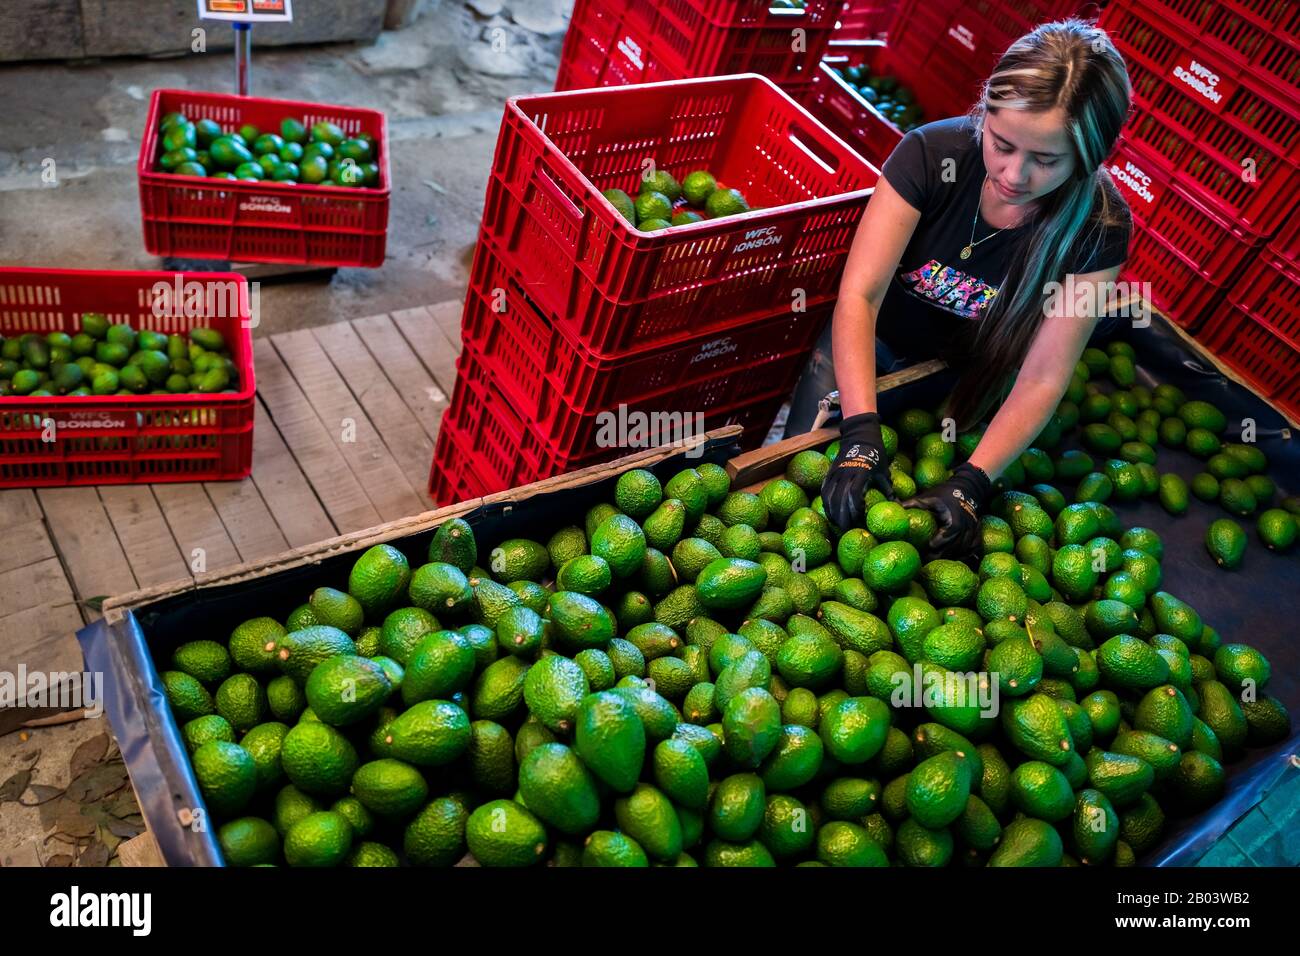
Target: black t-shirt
{"points": [[936, 297]]}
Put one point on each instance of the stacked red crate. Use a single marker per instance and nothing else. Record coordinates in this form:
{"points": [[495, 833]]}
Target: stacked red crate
{"points": [[578, 327], [1210, 159], [864, 20], [619, 42]]}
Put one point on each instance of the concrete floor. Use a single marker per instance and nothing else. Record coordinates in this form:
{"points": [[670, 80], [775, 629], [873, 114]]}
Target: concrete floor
{"points": [[442, 82]]}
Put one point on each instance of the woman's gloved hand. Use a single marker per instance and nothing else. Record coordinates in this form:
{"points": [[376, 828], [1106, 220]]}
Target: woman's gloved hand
{"points": [[860, 465], [956, 504]]}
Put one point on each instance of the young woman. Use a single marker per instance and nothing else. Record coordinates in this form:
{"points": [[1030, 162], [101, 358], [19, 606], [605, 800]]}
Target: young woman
{"points": [[974, 222]]}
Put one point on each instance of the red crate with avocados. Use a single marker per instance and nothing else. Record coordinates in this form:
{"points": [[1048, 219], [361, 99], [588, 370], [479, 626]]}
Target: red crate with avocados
{"points": [[128, 439], [285, 222], [616, 287], [837, 101]]}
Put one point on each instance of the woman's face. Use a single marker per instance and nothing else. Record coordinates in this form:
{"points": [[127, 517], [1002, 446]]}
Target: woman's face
{"points": [[1027, 155]]}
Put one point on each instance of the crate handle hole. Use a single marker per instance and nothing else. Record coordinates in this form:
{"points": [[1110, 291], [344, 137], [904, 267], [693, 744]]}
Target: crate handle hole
{"points": [[815, 149]]}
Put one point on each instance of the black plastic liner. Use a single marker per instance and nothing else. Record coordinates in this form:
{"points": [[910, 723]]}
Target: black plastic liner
{"points": [[1258, 604]]}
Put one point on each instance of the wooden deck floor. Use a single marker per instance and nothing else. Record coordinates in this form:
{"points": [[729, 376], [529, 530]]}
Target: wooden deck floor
{"points": [[347, 416]]}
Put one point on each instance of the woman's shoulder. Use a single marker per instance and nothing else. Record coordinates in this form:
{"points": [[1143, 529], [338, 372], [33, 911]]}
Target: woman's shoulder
{"points": [[950, 135], [1110, 210]]}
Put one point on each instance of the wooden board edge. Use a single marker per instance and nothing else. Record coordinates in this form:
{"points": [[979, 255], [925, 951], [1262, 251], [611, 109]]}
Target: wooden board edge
{"points": [[755, 466], [114, 609]]}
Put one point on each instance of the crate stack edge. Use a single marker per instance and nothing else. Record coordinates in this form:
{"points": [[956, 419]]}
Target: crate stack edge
{"points": [[576, 321], [1210, 163]]}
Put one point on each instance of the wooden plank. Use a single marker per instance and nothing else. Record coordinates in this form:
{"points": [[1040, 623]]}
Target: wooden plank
{"points": [[140, 850], [246, 517], [407, 441], [427, 340], [423, 396], [310, 444], [770, 461], [144, 534], [357, 541], [39, 584], [25, 544], [353, 434], [447, 316], [18, 506], [84, 536], [44, 638], [196, 525], [284, 488]]}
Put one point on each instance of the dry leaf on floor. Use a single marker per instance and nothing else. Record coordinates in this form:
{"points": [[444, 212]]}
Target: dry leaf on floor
{"points": [[120, 828], [97, 783], [72, 823], [124, 804], [94, 855], [108, 838], [60, 859], [90, 753], [15, 786], [30, 757], [51, 811], [42, 793]]}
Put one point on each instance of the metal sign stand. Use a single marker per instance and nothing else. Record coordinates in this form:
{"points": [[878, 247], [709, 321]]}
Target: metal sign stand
{"points": [[243, 57]]}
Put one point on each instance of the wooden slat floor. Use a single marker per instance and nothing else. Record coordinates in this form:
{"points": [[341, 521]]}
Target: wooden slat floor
{"points": [[347, 416]]}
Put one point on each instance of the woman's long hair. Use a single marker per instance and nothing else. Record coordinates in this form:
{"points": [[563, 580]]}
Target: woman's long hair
{"points": [[1073, 65]]}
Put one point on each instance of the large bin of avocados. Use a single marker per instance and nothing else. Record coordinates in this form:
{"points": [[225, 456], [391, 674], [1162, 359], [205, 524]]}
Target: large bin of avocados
{"points": [[579, 794]]}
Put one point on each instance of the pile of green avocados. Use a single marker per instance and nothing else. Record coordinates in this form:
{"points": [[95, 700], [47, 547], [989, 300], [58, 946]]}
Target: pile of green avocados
{"points": [[321, 156], [890, 98], [695, 674], [113, 358]]}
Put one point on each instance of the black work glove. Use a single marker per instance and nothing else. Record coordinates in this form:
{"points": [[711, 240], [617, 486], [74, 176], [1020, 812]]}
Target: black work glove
{"points": [[859, 465], [956, 504]]}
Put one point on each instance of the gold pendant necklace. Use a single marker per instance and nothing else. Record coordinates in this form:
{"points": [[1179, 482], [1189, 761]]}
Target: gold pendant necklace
{"points": [[970, 246]]}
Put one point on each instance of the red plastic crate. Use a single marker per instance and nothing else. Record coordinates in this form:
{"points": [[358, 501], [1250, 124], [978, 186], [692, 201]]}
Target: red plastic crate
{"points": [[840, 106], [1267, 361], [1182, 215], [1209, 119], [918, 28], [1263, 35], [553, 380], [1178, 288], [125, 439], [265, 221], [983, 29], [864, 20], [453, 478], [1269, 291], [617, 42], [485, 446], [553, 228], [1287, 241]]}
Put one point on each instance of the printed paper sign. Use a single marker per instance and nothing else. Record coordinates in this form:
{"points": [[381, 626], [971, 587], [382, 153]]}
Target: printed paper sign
{"points": [[247, 11]]}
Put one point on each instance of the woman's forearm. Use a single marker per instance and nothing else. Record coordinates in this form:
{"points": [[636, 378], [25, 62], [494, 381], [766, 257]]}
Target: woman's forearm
{"points": [[1017, 423], [854, 339]]}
